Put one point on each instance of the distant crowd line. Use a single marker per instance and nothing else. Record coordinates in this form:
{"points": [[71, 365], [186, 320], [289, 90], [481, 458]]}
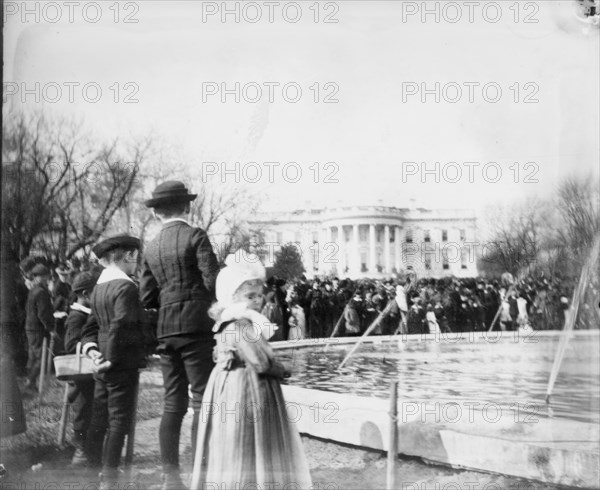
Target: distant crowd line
{"points": [[319, 308]]}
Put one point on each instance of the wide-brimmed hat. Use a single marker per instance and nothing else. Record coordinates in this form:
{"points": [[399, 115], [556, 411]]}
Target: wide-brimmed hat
{"points": [[126, 242], [172, 191]]}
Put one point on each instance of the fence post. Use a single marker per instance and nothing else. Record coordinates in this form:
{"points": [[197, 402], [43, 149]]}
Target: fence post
{"points": [[42, 368], [393, 441]]}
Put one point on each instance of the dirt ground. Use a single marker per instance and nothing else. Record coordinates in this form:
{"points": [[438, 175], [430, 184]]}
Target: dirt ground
{"points": [[35, 461]]}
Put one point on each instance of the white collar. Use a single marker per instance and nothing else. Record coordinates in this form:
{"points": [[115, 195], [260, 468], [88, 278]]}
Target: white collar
{"points": [[78, 307], [171, 220], [111, 273]]}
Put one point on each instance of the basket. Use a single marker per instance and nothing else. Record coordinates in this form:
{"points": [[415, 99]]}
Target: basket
{"points": [[73, 367]]}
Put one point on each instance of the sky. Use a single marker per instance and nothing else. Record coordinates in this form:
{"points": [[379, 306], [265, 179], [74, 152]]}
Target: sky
{"points": [[361, 131]]}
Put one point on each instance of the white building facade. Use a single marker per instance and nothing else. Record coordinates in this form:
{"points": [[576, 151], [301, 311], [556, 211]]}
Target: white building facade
{"points": [[373, 241]]}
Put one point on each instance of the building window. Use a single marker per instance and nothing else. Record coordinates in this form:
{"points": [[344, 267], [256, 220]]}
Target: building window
{"points": [[297, 237], [427, 262], [315, 237], [445, 264], [444, 235], [463, 260], [280, 238], [409, 236], [427, 236], [463, 235]]}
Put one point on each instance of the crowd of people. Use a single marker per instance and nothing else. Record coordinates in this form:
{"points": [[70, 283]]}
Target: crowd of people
{"points": [[348, 307], [181, 302]]}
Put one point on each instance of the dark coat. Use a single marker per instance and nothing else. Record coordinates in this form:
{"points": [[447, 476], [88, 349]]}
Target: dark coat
{"points": [[117, 325], [62, 293], [73, 329], [178, 277], [39, 320]]}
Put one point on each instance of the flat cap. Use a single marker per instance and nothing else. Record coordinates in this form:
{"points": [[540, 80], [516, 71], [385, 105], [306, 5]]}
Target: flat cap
{"points": [[40, 270], [84, 281]]}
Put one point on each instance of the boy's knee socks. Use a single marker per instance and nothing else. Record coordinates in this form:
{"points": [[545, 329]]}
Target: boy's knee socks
{"points": [[170, 428]]}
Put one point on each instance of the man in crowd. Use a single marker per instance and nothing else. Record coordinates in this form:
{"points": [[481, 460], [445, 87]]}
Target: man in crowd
{"points": [[39, 320]]}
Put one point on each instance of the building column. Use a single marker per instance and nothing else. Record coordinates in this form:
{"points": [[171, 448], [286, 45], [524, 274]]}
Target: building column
{"points": [[324, 250], [397, 248], [342, 250], [355, 249], [372, 256], [386, 249]]}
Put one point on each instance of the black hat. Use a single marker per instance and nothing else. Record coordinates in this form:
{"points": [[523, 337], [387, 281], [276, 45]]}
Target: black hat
{"points": [[84, 281], [126, 242], [170, 192], [40, 270]]}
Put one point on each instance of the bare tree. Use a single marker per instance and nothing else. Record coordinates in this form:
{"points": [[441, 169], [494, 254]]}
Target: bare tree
{"points": [[160, 164], [60, 190], [223, 212], [519, 233], [578, 205]]}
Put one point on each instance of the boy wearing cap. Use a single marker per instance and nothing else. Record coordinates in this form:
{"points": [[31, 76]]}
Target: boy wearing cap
{"points": [[62, 289], [178, 278], [115, 339], [81, 392], [39, 320]]}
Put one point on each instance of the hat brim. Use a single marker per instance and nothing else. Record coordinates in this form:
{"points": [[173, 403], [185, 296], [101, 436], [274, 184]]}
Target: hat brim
{"points": [[155, 202], [124, 242]]}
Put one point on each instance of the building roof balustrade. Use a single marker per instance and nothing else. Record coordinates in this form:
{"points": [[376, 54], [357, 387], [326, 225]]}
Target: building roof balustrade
{"points": [[309, 216]]}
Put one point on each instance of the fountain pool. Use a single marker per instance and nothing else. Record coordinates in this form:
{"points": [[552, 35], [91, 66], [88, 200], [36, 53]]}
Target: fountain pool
{"points": [[471, 400]]}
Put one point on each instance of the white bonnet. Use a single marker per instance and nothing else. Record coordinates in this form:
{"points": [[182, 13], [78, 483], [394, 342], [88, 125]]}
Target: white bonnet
{"points": [[240, 267]]}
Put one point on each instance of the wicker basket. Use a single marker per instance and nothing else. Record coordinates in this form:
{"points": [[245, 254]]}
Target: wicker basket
{"points": [[73, 367]]}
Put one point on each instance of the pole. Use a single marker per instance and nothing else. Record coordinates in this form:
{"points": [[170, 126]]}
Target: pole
{"points": [[571, 315], [43, 367], [372, 327], [509, 291], [393, 441], [63, 417], [49, 356], [339, 322]]}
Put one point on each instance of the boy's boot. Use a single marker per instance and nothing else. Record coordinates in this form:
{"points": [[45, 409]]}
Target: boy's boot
{"points": [[109, 479], [171, 480]]}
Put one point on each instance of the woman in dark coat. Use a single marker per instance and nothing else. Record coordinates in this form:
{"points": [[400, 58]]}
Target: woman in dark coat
{"points": [[13, 415]]}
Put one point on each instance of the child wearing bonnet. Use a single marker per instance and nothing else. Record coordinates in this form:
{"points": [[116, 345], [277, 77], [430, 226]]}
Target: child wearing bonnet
{"points": [[248, 440]]}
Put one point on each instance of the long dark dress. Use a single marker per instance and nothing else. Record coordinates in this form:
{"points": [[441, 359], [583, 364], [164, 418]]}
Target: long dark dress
{"points": [[246, 438], [13, 416]]}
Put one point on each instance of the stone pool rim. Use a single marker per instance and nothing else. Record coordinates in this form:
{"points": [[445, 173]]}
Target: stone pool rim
{"points": [[556, 451]]}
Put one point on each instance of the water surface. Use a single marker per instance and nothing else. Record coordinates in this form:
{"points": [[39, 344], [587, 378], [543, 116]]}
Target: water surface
{"points": [[510, 372]]}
